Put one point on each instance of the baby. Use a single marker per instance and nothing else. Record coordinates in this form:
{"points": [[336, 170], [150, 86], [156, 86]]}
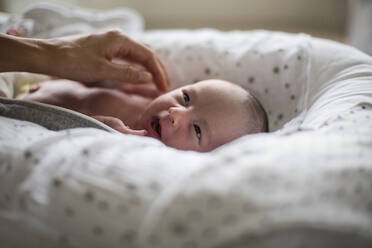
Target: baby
{"points": [[200, 116]]}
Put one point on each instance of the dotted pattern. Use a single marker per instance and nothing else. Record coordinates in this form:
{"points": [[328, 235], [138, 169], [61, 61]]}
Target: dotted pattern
{"points": [[271, 65], [111, 203], [256, 198], [87, 188]]}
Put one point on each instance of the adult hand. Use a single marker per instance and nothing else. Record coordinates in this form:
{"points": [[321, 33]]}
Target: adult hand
{"points": [[84, 58], [88, 58], [144, 90]]}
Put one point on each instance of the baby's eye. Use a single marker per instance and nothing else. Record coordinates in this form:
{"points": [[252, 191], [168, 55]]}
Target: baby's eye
{"points": [[186, 98], [197, 131]]}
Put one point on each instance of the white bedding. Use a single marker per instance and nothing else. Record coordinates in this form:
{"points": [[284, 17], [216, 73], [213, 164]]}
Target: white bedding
{"points": [[306, 184]]}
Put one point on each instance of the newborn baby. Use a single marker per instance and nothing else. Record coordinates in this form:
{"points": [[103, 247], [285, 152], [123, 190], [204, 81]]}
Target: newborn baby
{"points": [[200, 116]]}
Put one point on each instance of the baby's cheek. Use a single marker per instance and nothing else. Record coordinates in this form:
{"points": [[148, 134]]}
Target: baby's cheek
{"points": [[180, 141]]}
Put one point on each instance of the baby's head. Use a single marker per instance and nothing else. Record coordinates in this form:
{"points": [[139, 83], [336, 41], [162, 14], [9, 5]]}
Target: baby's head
{"points": [[204, 115]]}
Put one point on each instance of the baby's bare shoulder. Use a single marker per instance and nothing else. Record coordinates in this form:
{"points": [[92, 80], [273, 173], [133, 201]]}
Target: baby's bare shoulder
{"points": [[61, 92]]}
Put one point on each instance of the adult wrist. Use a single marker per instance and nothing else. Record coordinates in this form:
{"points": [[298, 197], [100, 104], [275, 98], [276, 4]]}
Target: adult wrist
{"points": [[38, 56], [47, 59], [58, 57]]}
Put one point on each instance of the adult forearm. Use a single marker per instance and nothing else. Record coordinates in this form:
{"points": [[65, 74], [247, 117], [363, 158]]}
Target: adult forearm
{"points": [[84, 58], [22, 54]]}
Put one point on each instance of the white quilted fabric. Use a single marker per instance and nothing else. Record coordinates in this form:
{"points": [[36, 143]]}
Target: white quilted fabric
{"points": [[274, 66]]}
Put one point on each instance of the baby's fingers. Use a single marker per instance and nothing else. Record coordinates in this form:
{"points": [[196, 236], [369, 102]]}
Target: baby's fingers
{"points": [[128, 130], [118, 125]]}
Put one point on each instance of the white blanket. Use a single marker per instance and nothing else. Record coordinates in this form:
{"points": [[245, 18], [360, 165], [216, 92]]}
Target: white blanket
{"points": [[92, 189]]}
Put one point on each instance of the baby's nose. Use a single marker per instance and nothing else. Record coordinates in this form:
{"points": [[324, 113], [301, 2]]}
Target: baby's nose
{"points": [[179, 116]]}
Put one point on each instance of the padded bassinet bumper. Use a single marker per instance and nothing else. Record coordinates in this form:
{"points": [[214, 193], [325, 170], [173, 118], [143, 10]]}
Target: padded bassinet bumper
{"points": [[307, 183]]}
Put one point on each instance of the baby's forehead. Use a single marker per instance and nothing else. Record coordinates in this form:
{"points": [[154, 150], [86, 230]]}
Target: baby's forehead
{"points": [[217, 86], [216, 99], [212, 83]]}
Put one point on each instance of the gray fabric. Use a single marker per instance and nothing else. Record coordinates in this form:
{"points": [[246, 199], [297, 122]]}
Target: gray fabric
{"points": [[359, 25], [51, 117], [301, 237]]}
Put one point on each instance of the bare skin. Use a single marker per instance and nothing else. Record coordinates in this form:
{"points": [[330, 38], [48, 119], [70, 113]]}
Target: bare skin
{"points": [[197, 117], [89, 58], [106, 104], [85, 58], [200, 117]]}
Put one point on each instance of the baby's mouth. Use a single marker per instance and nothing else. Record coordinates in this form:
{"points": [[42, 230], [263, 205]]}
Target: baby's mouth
{"points": [[155, 125]]}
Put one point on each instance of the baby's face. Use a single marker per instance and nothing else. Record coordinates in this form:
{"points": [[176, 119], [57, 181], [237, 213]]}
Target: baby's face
{"points": [[198, 117]]}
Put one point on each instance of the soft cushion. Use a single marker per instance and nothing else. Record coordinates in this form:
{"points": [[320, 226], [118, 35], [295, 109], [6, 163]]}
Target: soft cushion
{"points": [[274, 66], [307, 184]]}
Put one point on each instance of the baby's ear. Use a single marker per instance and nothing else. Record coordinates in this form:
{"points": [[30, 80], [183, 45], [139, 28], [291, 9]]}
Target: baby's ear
{"points": [[145, 90]]}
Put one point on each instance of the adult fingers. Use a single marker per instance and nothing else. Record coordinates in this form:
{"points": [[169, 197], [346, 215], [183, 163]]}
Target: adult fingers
{"points": [[164, 69], [140, 67], [145, 56], [145, 90], [128, 73]]}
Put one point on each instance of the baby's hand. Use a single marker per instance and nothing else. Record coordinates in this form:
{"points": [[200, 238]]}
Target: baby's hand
{"points": [[118, 125]]}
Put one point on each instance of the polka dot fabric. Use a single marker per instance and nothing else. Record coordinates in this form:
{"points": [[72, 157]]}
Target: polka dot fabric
{"points": [[308, 184], [245, 201], [69, 190], [271, 65]]}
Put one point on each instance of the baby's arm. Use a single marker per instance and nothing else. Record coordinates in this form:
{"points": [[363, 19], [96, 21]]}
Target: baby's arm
{"points": [[62, 93], [115, 106]]}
